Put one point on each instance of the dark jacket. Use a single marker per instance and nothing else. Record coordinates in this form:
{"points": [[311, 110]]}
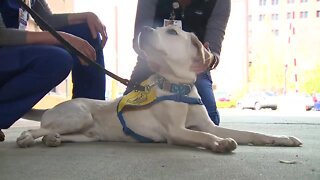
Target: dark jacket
{"points": [[199, 17]]}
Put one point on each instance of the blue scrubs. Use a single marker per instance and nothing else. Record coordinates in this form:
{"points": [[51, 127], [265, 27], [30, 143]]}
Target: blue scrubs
{"points": [[29, 72]]}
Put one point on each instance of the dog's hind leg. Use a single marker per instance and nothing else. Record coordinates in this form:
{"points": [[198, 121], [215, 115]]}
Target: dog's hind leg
{"points": [[53, 140], [189, 137], [27, 138], [78, 138]]}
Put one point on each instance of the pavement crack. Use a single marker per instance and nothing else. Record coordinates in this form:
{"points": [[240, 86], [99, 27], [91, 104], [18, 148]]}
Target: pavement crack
{"points": [[278, 123]]}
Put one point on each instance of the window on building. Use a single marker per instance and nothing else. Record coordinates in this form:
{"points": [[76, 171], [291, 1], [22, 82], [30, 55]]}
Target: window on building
{"points": [[275, 17], [262, 17], [318, 12], [303, 1], [262, 2], [275, 32], [275, 2], [290, 15], [303, 14], [290, 1]]}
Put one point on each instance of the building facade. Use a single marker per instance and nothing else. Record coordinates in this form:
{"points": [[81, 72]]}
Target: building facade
{"points": [[283, 43], [271, 45]]}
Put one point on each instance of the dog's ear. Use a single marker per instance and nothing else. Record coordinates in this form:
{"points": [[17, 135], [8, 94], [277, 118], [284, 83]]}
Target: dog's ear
{"points": [[205, 56]]}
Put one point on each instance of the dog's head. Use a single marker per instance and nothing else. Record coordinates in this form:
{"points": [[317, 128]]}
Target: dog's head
{"points": [[171, 51]]}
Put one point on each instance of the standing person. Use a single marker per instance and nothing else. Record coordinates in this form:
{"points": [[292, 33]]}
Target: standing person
{"points": [[32, 63], [206, 18]]}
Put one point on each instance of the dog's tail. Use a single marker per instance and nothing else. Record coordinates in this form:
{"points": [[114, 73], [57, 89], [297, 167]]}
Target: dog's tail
{"points": [[34, 114]]}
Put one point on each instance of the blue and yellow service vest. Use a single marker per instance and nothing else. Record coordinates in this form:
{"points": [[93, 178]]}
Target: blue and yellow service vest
{"points": [[140, 99]]}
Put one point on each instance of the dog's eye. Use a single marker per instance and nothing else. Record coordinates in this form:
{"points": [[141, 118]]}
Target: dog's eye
{"points": [[172, 32]]}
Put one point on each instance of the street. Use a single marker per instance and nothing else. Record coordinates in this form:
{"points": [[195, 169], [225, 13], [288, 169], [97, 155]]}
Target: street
{"points": [[110, 160]]}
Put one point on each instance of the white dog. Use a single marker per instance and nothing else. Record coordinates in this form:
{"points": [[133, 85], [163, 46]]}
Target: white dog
{"points": [[175, 117]]}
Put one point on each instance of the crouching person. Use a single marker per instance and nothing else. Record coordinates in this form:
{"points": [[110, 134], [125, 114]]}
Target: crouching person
{"points": [[33, 63]]}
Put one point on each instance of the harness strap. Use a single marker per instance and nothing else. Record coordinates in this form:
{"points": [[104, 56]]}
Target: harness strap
{"points": [[180, 98], [175, 97], [131, 133], [180, 88]]}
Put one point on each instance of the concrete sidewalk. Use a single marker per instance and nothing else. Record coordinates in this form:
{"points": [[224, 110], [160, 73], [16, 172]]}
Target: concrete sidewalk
{"points": [[160, 161]]}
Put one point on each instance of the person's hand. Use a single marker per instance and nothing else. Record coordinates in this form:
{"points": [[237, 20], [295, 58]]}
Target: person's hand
{"points": [[96, 27], [198, 66], [81, 45]]}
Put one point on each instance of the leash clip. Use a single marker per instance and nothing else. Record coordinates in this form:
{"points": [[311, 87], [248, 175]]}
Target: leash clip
{"points": [[149, 86]]}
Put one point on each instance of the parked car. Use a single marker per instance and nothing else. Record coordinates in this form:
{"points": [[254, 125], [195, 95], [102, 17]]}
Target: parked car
{"points": [[296, 101], [222, 96], [224, 99], [316, 99], [258, 100], [317, 106]]}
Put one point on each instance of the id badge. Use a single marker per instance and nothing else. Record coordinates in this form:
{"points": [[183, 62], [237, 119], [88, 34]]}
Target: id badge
{"points": [[168, 22], [23, 16]]}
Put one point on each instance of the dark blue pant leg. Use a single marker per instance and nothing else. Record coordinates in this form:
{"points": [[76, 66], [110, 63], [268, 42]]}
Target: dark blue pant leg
{"points": [[28, 73], [140, 73], [87, 81], [204, 87]]}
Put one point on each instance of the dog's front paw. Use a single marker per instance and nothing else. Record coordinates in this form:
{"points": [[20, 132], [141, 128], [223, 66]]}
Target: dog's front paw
{"points": [[52, 140], [25, 139], [287, 141], [295, 141], [225, 145]]}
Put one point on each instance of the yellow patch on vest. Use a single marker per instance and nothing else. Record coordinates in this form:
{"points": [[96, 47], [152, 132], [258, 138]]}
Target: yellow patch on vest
{"points": [[138, 98]]}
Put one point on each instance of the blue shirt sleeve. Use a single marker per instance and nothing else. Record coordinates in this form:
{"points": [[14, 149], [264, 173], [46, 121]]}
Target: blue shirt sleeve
{"points": [[55, 20]]}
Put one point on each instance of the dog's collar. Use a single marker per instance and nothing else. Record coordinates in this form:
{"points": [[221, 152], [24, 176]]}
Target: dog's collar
{"points": [[182, 89]]}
